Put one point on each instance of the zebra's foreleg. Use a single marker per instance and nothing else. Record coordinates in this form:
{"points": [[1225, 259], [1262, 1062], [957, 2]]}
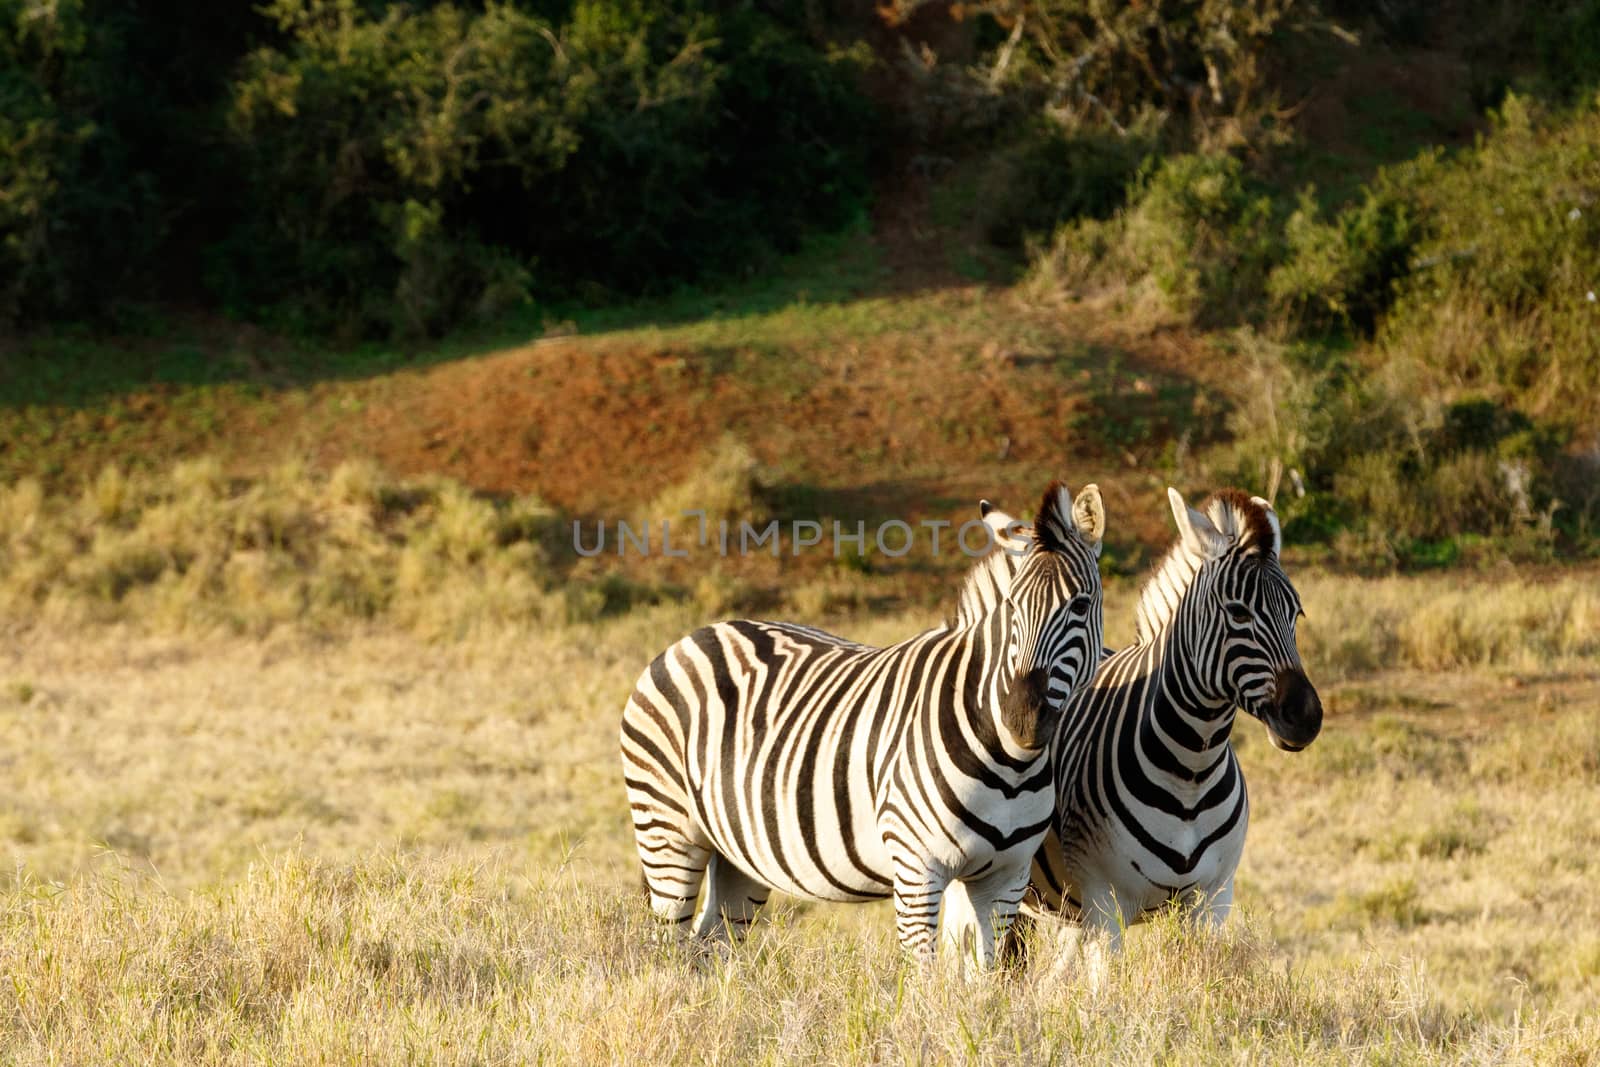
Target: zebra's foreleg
{"points": [[958, 926], [1214, 910], [917, 896], [1103, 922], [995, 900]]}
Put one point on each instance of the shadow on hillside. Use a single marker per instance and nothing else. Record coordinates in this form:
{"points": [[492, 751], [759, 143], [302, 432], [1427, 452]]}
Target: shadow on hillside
{"points": [[158, 348]]}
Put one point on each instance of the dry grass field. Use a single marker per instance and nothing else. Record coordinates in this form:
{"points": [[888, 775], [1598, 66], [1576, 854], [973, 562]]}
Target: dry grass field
{"points": [[384, 845], [317, 344]]}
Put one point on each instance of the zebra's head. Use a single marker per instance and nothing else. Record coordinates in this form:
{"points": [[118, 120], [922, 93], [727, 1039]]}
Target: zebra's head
{"points": [[1053, 609], [1245, 602]]}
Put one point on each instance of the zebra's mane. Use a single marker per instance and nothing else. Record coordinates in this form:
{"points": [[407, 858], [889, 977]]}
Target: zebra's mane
{"points": [[1249, 528], [986, 584]]}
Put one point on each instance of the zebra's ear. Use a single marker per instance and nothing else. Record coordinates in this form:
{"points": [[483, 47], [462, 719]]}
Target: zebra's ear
{"points": [[1199, 536], [1060, 518], [1004, 530], [1089, 515], [1277, 527]]}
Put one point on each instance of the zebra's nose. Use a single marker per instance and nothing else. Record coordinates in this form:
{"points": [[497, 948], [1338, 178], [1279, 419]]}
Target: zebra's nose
{"points": [[1297, 713]]}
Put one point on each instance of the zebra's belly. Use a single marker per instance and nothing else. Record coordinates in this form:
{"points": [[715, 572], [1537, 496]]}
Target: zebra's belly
{"points": [[792, 838], [1096, 865], [823, 849]]}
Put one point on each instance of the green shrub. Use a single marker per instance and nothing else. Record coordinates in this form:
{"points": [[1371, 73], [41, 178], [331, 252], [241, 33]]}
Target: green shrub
{"points": [[1051, 176], [411, 169], [1196, 226], [1500, 295], [1340, 274], [1493, 332]]}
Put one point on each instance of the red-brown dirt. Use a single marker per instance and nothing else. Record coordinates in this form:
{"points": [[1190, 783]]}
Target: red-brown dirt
{"points": [[991, 402]]}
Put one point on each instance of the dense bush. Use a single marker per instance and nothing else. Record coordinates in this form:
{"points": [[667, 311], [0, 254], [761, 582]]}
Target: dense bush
{"points": [[387, 167], [66, 180], [1501, 294], [1378, 461], [1480, 266], [1341, 274], [1196, 226], [630, 147]]}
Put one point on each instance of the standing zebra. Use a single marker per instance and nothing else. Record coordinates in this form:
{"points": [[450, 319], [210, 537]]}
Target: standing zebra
{"points": [[782, 757], [1150, 803]]}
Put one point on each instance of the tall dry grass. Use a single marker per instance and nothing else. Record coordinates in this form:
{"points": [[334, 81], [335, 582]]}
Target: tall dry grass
{"points": [[379, 847], [1451, 621], [393, 840], [1511, 620], [193, 549], [408, 959]]}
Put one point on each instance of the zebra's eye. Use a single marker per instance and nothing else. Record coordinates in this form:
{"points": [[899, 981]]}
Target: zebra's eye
{"points": [[1238, 612], [1079, 606]]}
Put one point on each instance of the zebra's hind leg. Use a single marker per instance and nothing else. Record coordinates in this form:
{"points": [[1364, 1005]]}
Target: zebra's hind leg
{"points": [[674, 866], [673, 849], [732, 900]]}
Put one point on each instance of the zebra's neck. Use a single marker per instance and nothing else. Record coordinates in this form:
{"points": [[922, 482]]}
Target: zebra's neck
{"points": [[1165, 590], [985, 587], [1191, 719], [990, 645]]}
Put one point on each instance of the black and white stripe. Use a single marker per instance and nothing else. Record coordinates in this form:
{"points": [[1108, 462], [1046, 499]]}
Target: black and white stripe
{"points": [[1151, 804], [778, 756]]}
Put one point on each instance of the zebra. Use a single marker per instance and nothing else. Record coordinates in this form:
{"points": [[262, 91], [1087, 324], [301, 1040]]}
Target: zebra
{"points": [[770, 755], [1151, 805]]}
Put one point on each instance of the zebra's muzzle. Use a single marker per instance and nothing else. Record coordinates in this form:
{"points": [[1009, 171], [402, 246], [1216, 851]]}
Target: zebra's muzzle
{"points": [[1295, 718], [1026, 711]]}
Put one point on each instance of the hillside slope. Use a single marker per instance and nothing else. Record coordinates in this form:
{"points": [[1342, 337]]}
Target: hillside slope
{"points": [[903, 406]]}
